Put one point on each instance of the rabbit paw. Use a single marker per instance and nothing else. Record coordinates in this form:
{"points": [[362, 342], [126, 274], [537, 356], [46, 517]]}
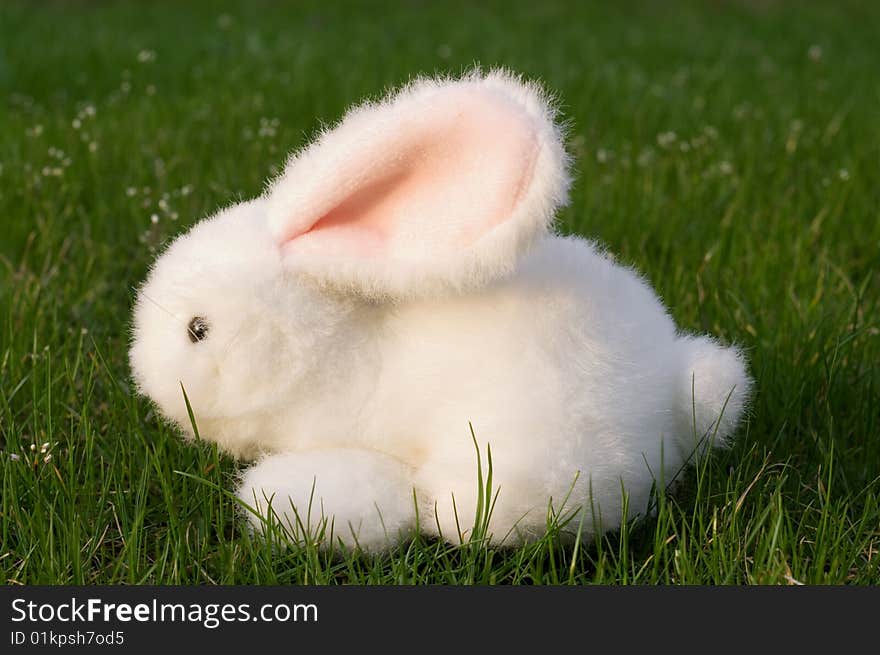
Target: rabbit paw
{"points": [[357, 498]]}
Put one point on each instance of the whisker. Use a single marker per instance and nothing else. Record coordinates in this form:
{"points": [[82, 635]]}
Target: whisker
{"points": [[171, 314], [214, 358], [229, 343]]}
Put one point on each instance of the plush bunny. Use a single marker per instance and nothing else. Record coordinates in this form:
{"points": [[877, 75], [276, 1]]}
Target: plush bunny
{"points": [[399, 282]]}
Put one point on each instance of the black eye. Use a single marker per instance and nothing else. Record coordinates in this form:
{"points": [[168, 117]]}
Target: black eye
{"points": [[197, 329]]}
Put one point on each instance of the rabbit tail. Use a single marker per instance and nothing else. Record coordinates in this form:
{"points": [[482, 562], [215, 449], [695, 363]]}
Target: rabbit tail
{"points": [[713, 394]]}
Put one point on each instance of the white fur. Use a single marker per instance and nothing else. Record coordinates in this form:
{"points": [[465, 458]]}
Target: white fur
{"points": [[360, 498], [310, 180], [362, 377]]}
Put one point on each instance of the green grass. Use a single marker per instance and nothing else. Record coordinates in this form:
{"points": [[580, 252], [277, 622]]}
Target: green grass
{"points": [[729, 151]]}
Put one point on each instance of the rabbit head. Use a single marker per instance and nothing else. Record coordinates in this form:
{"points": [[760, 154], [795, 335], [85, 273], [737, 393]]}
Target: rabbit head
{"points": [[438, 188], [215, 318]]}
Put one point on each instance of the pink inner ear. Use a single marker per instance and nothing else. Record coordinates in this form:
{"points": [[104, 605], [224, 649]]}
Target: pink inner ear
{"points": [[436, 180], [363, 219]]}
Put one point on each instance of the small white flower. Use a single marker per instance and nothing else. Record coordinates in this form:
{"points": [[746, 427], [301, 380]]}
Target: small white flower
{"points": [[76, 123], [268, 127], [131, 191], [47, 458], [145, 56], [843, 174], [33, 447], [666, 139], [93, 146], [154, 219], [602, 155], [725, 167], [815, 52], [645, 157], [14, 457]]}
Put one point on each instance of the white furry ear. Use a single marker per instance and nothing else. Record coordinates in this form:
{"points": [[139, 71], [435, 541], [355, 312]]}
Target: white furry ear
{"points": [[442, 185]]}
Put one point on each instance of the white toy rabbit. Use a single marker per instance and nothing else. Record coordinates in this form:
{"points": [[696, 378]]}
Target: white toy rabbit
{"points": [[400, 280]]}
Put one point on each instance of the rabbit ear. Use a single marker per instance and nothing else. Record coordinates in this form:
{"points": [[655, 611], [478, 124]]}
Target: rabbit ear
{"points": [[440, 186]]}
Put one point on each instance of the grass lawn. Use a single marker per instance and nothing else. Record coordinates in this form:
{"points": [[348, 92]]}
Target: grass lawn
{"points": [[730, 151]]}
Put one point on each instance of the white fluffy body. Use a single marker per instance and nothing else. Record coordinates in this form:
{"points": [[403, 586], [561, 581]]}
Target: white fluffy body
{"points": [[349, 360]]}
